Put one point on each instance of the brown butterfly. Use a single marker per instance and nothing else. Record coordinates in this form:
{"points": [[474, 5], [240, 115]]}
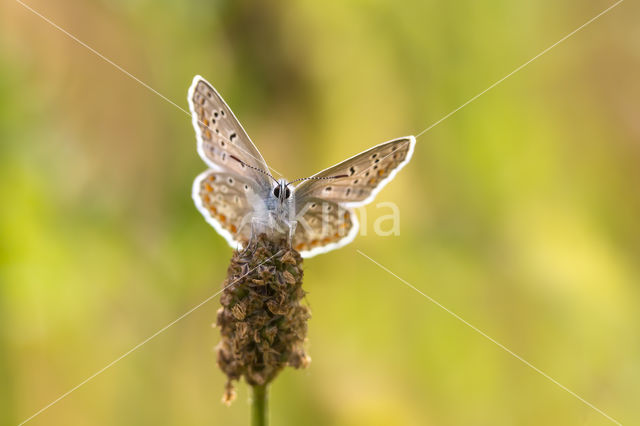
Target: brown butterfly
{"points": [[237, 195]]}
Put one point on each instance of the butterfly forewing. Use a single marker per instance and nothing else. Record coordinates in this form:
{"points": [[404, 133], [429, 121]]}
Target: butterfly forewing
{"points": [[221, 137], [359, 178]]}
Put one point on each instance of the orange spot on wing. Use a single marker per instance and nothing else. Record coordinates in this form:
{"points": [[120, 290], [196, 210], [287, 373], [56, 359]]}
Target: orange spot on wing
{"points": [[208, 187], [222, 218], [233, 229], [207, 133]]}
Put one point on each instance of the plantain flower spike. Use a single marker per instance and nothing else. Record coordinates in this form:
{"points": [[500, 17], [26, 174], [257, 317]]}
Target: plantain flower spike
{"points": [[262, 321]]}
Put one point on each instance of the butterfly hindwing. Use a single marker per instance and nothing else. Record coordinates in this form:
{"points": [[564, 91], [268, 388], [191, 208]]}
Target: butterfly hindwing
{"points": [[227, 202], [323, 225]]}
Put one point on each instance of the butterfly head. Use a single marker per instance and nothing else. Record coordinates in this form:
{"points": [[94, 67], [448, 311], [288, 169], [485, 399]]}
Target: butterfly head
{"points": [[281, 191]]}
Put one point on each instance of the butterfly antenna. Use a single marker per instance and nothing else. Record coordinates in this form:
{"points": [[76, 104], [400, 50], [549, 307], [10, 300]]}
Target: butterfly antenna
{"points": [[318, 178], [254, 168]]}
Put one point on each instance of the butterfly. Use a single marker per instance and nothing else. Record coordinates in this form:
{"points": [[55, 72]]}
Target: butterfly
{"points": [[238, 196]]}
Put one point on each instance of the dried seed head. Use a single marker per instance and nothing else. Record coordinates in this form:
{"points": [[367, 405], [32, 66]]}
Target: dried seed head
{"points": [[262, 322]]}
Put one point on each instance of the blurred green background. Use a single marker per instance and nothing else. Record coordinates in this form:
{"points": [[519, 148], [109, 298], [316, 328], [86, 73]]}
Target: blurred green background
{"points": [[519, 213]]}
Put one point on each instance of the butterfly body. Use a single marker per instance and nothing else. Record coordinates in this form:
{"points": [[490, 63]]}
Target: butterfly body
{"points": [[278, 211], [238, 196]]}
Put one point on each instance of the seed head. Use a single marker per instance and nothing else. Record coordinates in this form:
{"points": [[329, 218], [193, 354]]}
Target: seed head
{"points": [[262, 321]]}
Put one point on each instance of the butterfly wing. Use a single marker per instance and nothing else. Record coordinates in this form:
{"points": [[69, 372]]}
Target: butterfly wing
{"points": [[324, 205], [364, 174], [322, 226], [220, 135], [228, 202]]}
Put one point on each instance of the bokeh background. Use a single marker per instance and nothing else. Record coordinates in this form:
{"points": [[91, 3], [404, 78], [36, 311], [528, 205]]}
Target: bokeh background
{"points": [[519, 213]]}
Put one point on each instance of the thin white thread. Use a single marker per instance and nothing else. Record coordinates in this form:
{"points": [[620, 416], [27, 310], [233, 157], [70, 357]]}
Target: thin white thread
{"points": [[94, 375], [128, 74], [500, 345], [519, 68]]}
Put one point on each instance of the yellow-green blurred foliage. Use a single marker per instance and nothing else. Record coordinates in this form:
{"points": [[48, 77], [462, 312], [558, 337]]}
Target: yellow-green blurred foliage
{"points": [[519, 213]]}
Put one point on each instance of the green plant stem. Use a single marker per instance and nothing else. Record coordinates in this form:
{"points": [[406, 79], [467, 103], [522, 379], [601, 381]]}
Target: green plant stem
{"points": [[260, 406]]}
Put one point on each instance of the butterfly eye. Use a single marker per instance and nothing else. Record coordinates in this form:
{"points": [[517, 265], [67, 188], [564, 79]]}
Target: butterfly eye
{"points": [[276, 191], [287, 193]]}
